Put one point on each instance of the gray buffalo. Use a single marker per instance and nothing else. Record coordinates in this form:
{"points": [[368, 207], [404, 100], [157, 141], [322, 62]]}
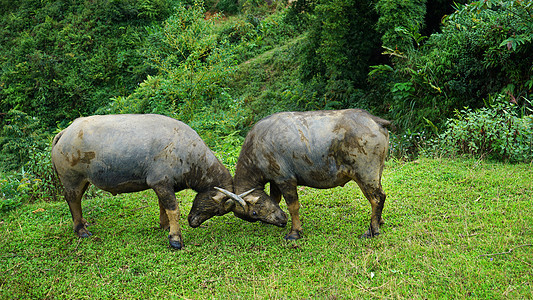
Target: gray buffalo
{"points": [[319, 149], [131, 153]]}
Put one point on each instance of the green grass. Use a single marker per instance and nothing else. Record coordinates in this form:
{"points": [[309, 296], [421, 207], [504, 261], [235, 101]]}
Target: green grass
{"points": [[449, 224]]}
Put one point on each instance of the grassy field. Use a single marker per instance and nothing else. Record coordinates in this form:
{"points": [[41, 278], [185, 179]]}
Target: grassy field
{"points": [[454, 229]]}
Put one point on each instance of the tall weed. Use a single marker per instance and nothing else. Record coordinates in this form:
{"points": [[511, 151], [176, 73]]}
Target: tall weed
{"points": [[15, 189], [34, 181]]}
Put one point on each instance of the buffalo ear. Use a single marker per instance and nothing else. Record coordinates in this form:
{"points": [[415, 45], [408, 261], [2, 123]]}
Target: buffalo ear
{"points": [[229, 204]]}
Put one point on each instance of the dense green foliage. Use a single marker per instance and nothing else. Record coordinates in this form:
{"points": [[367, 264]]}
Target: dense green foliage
{"points": [[454, 229], [35, 181], [481, 51], [191, 64], [341, 47], [63, 59], [23, 143], [455, 80], [398, 21], [20, 135], [196, 59]]}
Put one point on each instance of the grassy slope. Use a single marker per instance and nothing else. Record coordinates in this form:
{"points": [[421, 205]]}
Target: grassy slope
{"points": [[441, 217], [262, 80]]}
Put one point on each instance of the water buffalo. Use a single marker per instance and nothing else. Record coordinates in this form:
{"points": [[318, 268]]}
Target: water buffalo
{"points": [[319, 149], [131, 153]]}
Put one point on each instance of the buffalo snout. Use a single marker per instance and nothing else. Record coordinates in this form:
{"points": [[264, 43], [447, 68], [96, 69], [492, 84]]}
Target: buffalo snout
{"points": [[278, 218], [195, 220]]}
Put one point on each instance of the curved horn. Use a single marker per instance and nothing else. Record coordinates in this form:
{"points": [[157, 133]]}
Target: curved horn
{"points": [[232, 196], [246, 193]]}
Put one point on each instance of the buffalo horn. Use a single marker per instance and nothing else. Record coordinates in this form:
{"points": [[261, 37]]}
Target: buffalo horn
{"points": [[246, 193], [232, 196]]}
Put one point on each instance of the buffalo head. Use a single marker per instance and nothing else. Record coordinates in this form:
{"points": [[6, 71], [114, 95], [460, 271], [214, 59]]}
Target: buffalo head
{"points": [[216, 202], [261, 207]]}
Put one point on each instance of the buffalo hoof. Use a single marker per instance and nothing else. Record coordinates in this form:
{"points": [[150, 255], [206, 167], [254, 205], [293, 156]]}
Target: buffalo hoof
{"points": [[369, 234], [175, 243], [83, 232], [292, 236]]}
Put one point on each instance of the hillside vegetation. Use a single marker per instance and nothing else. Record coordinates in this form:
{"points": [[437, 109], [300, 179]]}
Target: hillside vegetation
{"points": [[220, 66]]}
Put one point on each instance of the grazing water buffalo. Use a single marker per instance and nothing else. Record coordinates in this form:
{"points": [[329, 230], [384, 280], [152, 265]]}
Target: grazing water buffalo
{"points": [[131, 153], [319, 149]]}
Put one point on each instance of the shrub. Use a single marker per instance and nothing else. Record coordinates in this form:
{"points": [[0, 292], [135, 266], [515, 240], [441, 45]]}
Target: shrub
{"points": [[40, 170], [221, 126], [495, 132], [394, 16], [14, 189], [228, 6], [27, 173], [408, 145], [35, 180]]}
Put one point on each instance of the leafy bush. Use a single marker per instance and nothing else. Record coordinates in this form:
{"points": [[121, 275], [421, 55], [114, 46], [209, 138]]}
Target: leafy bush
{"points": [[394, 17], [228, 6], [408, 145], [222, 129], [20, 135], [39, 168], [496, 132], [520, 27], [15, 190], [196, 59], [26, 173]]}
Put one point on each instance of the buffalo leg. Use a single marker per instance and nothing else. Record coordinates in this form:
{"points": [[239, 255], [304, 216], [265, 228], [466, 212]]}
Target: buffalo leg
{"points": [[290, 193], [167, 199], [369, 180], [376, 197], [163, 217], [275, 192], [73, 197]]}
